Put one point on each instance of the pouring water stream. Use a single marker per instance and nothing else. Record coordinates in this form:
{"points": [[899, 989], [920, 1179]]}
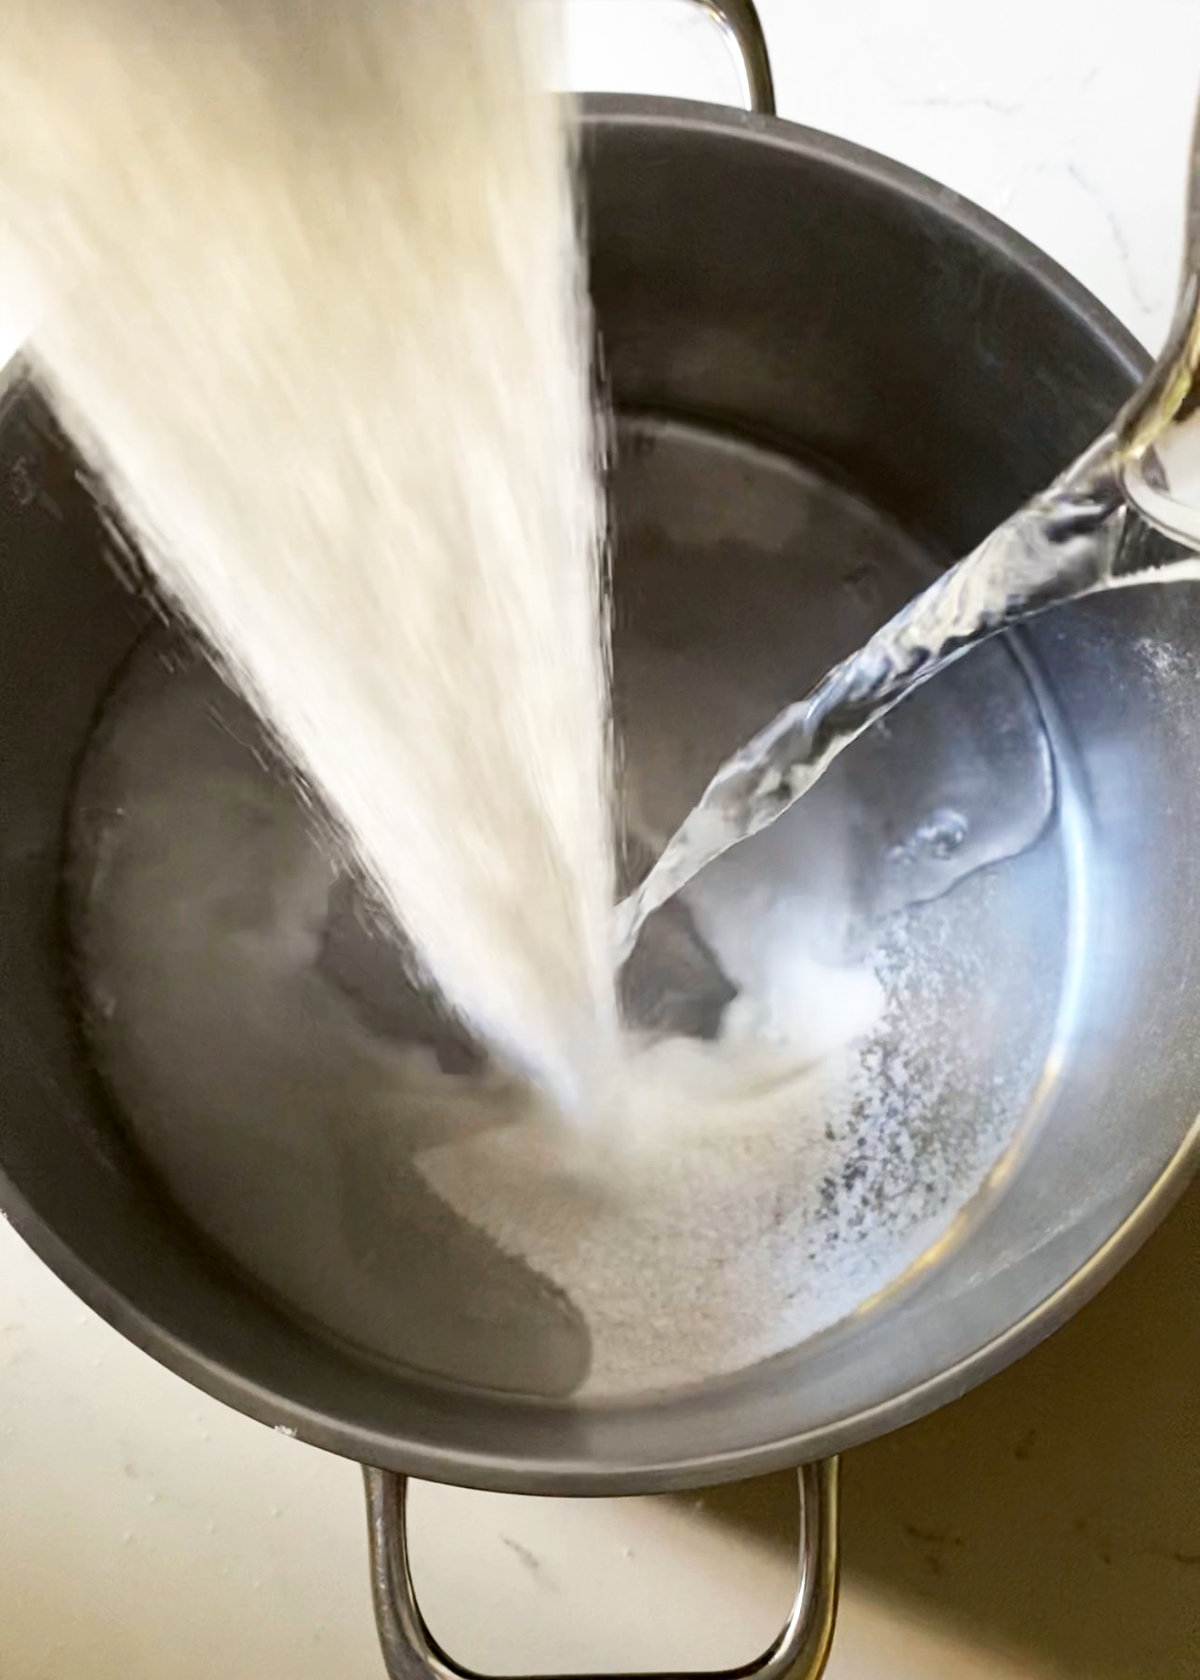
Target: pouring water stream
{"points": [[1082, 535]]}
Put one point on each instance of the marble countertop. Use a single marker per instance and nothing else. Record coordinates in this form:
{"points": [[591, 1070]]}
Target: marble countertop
{"points": [[1047, 1526]]}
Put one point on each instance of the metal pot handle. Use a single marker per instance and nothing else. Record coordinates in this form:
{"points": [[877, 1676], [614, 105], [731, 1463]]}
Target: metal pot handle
{"points": [[410, 1651], [739, 22]]}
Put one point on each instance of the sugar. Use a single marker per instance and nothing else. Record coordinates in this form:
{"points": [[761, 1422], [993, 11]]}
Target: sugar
{"points": [[314, 307]]}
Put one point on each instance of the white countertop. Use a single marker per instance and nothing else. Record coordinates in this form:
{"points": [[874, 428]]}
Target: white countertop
{"points": [[1047, 1527]]}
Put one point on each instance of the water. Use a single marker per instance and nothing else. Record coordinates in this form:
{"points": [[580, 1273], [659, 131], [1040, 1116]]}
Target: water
{"points": [[1072, 540], [1099, 526]]}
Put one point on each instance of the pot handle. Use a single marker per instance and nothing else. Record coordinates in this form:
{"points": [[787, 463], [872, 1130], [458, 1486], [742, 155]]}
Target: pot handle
{"points": [[739, 22], [410, 1651]]}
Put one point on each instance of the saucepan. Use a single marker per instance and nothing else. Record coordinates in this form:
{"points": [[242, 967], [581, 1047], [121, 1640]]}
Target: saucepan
{"points": [[801, 340]]}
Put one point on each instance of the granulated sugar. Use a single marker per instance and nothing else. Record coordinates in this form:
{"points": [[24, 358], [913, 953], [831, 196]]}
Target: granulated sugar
{"points": [[314, 307], [716, 1244]]}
